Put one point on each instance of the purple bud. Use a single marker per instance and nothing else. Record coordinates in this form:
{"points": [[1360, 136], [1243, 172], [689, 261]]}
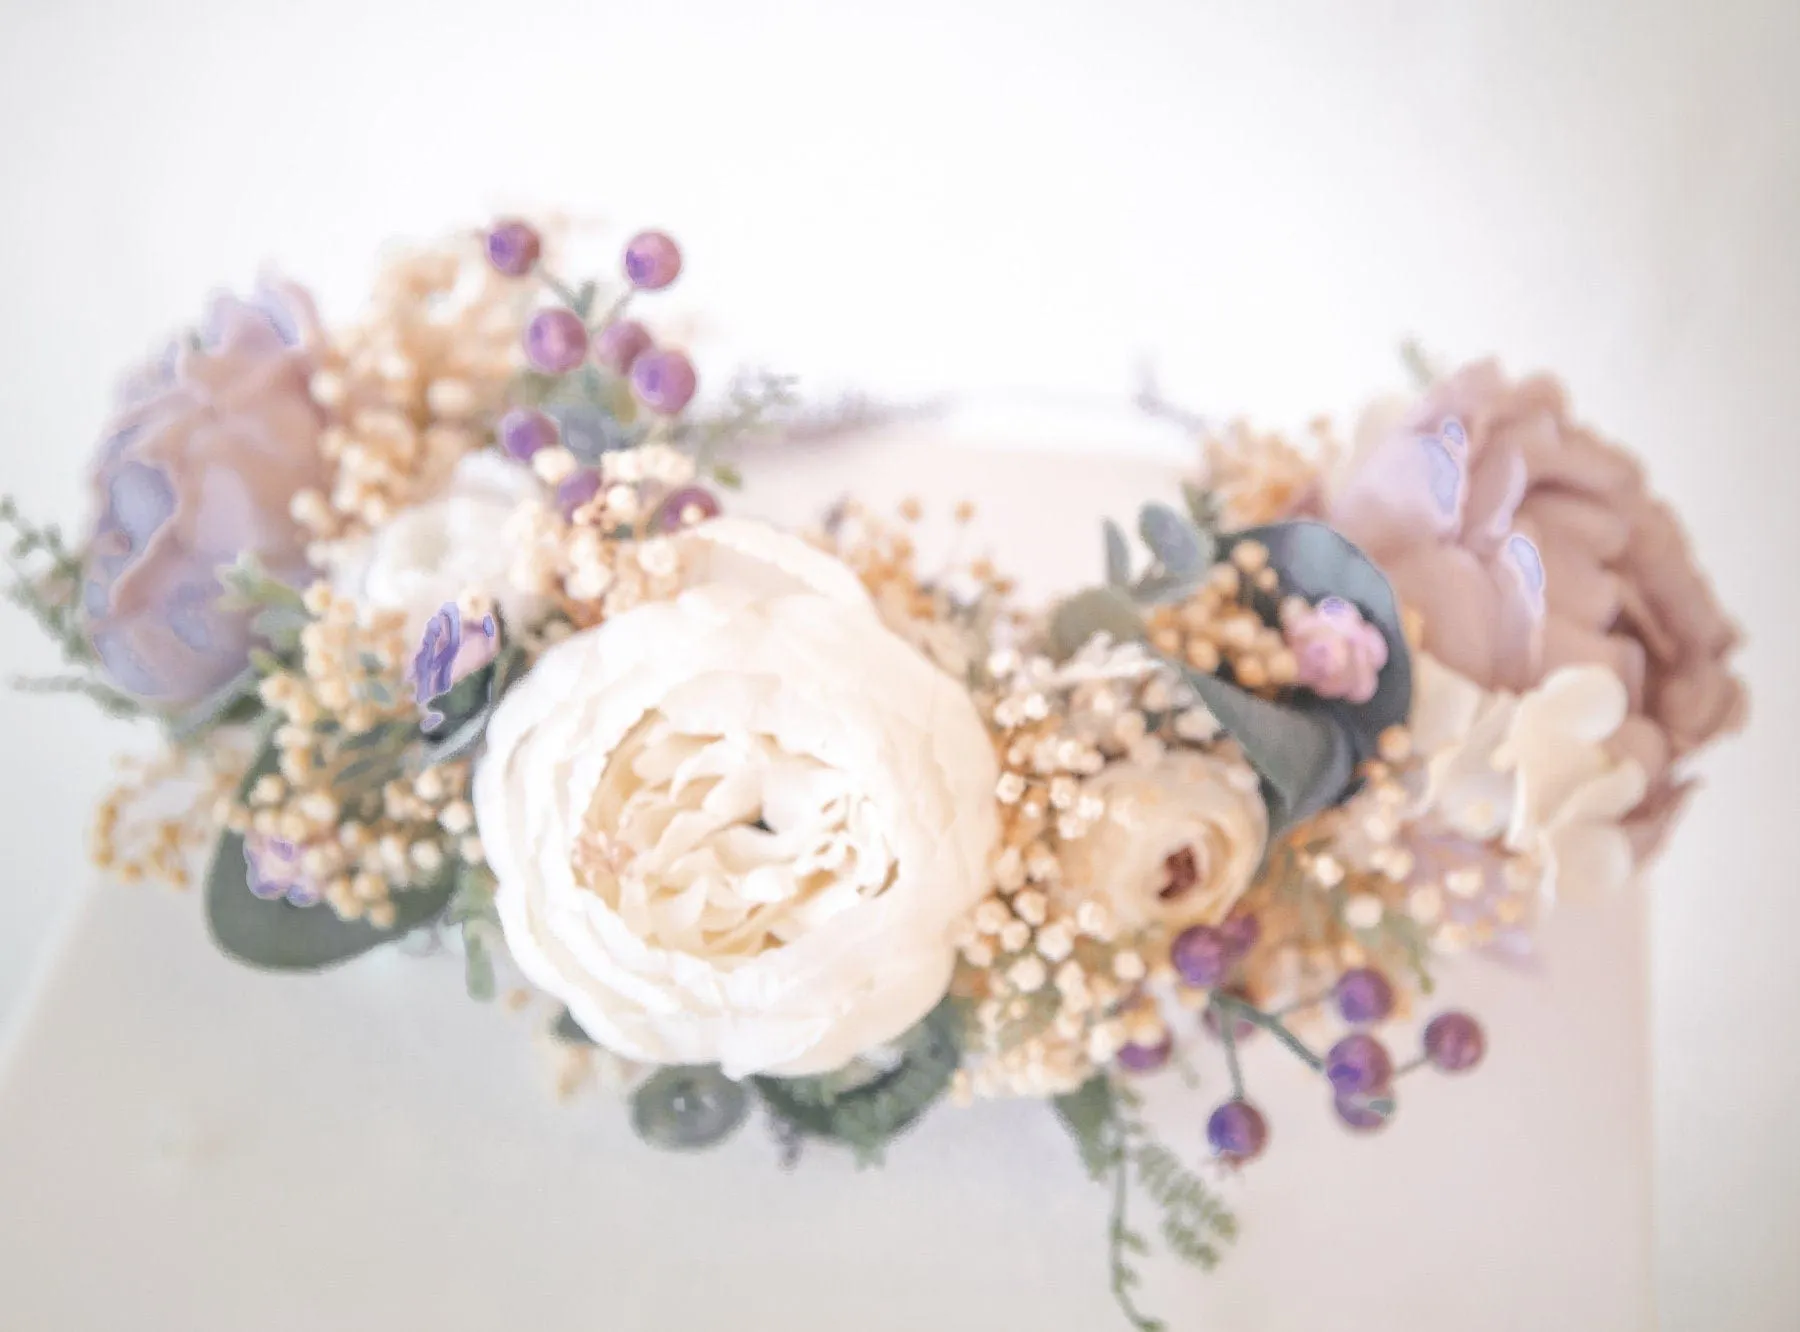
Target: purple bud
{"points": [[1201, 956], [1359, 1064], [698, 501], [513, 247], [576, 490], [652, 260], [1237, 1132], [664, 381], [525, 430], [1146, 1058], [450, 650], [1240, 934], [556, 341], [1454, 1042], [1364, 995], [620, 343], [1363, 1113]]}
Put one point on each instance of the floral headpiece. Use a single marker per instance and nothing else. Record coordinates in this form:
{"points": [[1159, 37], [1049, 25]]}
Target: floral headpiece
{"points": [[445, 616]]}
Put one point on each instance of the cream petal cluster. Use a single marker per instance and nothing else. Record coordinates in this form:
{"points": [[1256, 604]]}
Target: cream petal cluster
{"points": [[1536, 773], [453, 543], [1180, 840], [737, 827]]}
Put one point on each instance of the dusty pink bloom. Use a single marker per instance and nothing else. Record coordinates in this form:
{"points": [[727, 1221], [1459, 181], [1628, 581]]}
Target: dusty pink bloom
{"points": [[1340, 654], [1529, 543], [209, 446]]}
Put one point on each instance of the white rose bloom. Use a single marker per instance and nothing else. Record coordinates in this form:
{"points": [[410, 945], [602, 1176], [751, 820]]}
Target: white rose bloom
{"points": [[457, 541], [737, 827], [1179, 843], [1533, 772]]}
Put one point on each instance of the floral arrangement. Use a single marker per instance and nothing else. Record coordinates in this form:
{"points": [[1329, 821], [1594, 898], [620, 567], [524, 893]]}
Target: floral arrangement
{"points": [[447, 633]]}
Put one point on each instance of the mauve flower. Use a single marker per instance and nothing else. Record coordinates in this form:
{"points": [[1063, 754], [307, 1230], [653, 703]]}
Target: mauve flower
{"points": [[273, 870], [1528, 544], [209, 445], [452, 649], [1340, 654]]}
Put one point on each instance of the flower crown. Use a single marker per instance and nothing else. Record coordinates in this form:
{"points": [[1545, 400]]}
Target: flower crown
{"points": [[442, 614]]}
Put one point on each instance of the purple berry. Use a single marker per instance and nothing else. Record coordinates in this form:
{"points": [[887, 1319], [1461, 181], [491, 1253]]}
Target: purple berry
{"points": [[664, 381], [1365, 1114], [1359, 1064], [620, 343], [513, 247], [1146, 1058], [525, 430], [1201, 956], [1237, 1132], [556, 341], [1454, 1042], [1364, 995], [576, 490], [1240, 934], [652, 260], [672, 516]]}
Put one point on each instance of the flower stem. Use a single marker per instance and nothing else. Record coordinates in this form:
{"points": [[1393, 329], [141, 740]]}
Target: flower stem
{"points": [[1228, 1038], [1230, 1003]]}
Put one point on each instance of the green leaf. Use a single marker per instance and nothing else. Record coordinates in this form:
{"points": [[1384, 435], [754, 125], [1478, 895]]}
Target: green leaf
{"points": [[728, 476], [568, 1030], [1180, 548], [1098, 610], [1315, 562], [1161, 589], [1118, 555], [686, 1108], [1090, 1114], [236, 701], [469, 707], [1303, 754], [867, 1112], [278, 936]]}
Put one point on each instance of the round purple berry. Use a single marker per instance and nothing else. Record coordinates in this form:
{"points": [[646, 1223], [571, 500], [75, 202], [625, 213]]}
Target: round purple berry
{"points": [[1237, 1132], [525, 430], [676, 508], [620, 343], [1201, 956], [1364, 995], [1454, 1042], [1359, 1064], [652, 260], [556, 341], [1240, 934], [1146, 1058], [664, 381], [576, 490], [1363, 1113], [513, 247]]}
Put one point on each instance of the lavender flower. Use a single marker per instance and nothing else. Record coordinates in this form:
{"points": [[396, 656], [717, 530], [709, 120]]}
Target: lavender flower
{"points": [[451, 650], [273, 871], [1340, 654]]}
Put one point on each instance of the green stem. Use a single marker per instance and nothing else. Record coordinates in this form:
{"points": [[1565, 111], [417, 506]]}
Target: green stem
{"points": [[1271, 1024], [559, 289], [1117, 1232], [1228, 1038]]}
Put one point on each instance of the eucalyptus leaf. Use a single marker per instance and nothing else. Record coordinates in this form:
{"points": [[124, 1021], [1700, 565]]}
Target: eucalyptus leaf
{"points": [[1180, 548], [1304, 754], [587, 430], [1098, 610], [1163, 589], [1118, 555], [278, 936], [1315, 562], [688, 1107]]}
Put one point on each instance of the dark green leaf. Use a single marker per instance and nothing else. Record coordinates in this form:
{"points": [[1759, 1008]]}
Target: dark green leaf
{"points": [[1304, 755], [1099, 610], [568, 1030], [686, 1108]]}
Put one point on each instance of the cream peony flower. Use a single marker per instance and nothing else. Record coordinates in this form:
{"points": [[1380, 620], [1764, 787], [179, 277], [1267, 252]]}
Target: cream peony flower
{"points": [[1534, 772], [737, 827], [453, 543], [1179, 843]]}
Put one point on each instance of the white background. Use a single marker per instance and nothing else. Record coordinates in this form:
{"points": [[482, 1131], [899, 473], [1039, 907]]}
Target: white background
{"points": [[1263, 197]]}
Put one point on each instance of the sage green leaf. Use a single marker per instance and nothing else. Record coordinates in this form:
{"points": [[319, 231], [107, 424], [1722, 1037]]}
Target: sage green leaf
{"points": [[1090, 1113], [1303, 754], [1118, 555], [278, 936], [235, 701], [478, 962], [1316, 562], [1161, 589], [1098, 610], [1180, 548], [866, 1110], [685, 1108]]}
